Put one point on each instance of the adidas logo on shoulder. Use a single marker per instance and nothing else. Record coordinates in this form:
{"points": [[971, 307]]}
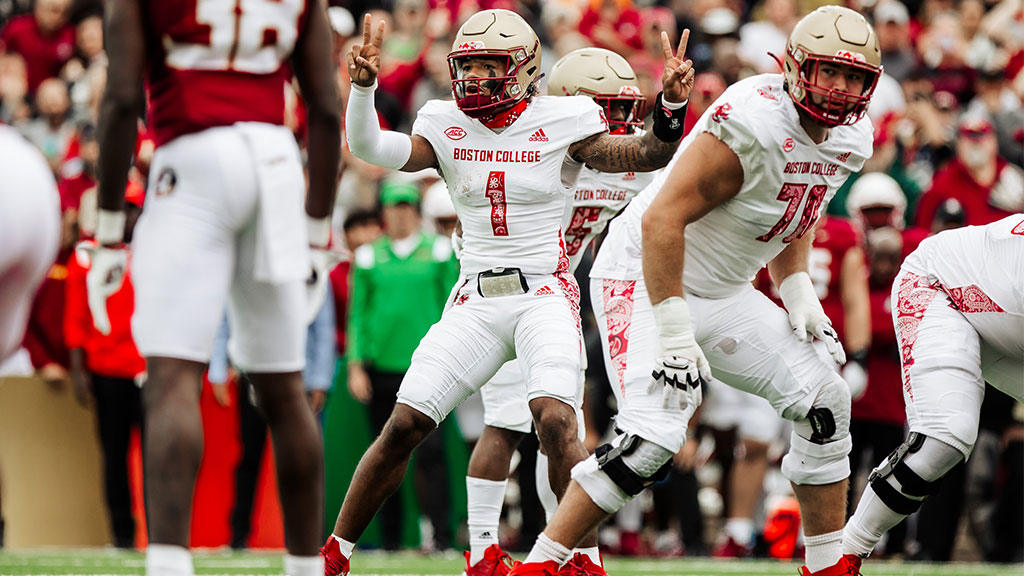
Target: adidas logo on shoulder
{"points": [[543, 291], [843, 157], [539, 136]]}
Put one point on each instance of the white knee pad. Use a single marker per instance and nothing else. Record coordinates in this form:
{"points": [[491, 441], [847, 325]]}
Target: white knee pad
{"points": [[621, 469], [820, 443]]}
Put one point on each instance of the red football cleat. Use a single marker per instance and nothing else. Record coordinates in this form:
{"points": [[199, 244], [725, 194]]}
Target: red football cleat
{"points": [[848, 565], [732, 549], [335, 563], [581, 565], [549, 568], [494, 563]]}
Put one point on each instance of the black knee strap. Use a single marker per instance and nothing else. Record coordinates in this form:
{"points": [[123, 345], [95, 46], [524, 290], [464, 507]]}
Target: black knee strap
{"points": [[609, 460], [913, 490]]}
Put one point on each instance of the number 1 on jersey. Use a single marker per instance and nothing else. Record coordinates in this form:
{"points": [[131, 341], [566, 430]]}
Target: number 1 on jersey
{"points": [[496, 194]]}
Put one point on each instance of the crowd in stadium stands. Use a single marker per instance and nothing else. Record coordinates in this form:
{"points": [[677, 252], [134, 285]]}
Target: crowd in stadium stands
{"points": [[949, 151]]}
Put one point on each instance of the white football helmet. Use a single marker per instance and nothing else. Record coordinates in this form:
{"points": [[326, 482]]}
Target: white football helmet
{"points": [[837, 35], [876, 200]]}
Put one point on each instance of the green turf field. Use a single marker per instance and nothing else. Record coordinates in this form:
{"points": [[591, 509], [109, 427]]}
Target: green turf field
{"points": [[93, 561]]}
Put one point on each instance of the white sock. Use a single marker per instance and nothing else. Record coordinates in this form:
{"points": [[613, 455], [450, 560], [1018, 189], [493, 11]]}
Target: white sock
{"points": [[484, 500], [594, 553], [168, 560], [303, 565], [345, 546], [545, 549], [741, 530], [544, 492], [869, 522], [823, 550]]}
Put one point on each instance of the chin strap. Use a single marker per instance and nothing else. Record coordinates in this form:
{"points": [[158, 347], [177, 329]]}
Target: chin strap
{"points": [[505, 118]]}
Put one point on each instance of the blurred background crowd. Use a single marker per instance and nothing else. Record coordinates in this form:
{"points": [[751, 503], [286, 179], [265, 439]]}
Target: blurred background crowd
{"points": [[949, 148]]}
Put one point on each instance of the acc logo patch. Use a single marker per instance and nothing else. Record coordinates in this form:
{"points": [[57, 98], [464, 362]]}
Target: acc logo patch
{"points": [[455, 133], [166, 182], [788, 145]]}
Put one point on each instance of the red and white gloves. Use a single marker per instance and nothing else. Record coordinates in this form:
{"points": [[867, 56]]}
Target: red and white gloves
{"points": [[681, 366], [806, 315], [108, 259]]}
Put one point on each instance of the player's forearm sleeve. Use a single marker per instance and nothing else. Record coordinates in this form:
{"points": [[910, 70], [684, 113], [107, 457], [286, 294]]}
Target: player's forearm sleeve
{"points": [[365, 138]]}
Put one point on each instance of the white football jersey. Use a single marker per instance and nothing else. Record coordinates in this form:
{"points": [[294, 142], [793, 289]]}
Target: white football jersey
{"points": [[599, 197], [981, 269], [512, 190], [788, 180]]}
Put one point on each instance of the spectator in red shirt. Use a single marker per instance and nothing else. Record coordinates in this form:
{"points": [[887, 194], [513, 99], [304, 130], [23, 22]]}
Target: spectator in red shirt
{"points": [[44, 38], [986, 185], [613, 24], [104, 372]]}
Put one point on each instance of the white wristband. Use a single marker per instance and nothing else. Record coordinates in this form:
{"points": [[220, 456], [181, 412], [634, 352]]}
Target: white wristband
{"points": [[673, 105], [797, 288], [672, 317], [319, 231], [110, 227]]}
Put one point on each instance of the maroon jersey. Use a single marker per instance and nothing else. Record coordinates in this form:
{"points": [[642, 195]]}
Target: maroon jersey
{"points": [[883, 398], [218, 62], [832, 240]]}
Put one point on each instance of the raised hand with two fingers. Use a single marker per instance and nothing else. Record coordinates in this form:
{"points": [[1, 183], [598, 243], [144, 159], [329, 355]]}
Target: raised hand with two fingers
{"points": [[364, 59], [677, 79]]}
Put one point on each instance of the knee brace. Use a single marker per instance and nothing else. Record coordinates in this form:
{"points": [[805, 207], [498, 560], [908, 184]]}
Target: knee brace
{"points": [[621, 469], [896, 482], [820, 444]]}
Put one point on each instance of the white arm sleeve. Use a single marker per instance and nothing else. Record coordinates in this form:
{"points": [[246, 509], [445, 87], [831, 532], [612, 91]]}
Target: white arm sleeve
{"points": [[365, 138]]}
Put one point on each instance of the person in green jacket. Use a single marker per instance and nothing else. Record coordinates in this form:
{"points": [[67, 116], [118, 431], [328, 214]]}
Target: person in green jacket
{"points": [[400, 282]]}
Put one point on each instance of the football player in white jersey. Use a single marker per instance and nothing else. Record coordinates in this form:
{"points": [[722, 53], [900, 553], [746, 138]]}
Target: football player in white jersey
{"points": [[958, 310], [29, 233], [607, 78], [511, 160], [744, 190]]}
